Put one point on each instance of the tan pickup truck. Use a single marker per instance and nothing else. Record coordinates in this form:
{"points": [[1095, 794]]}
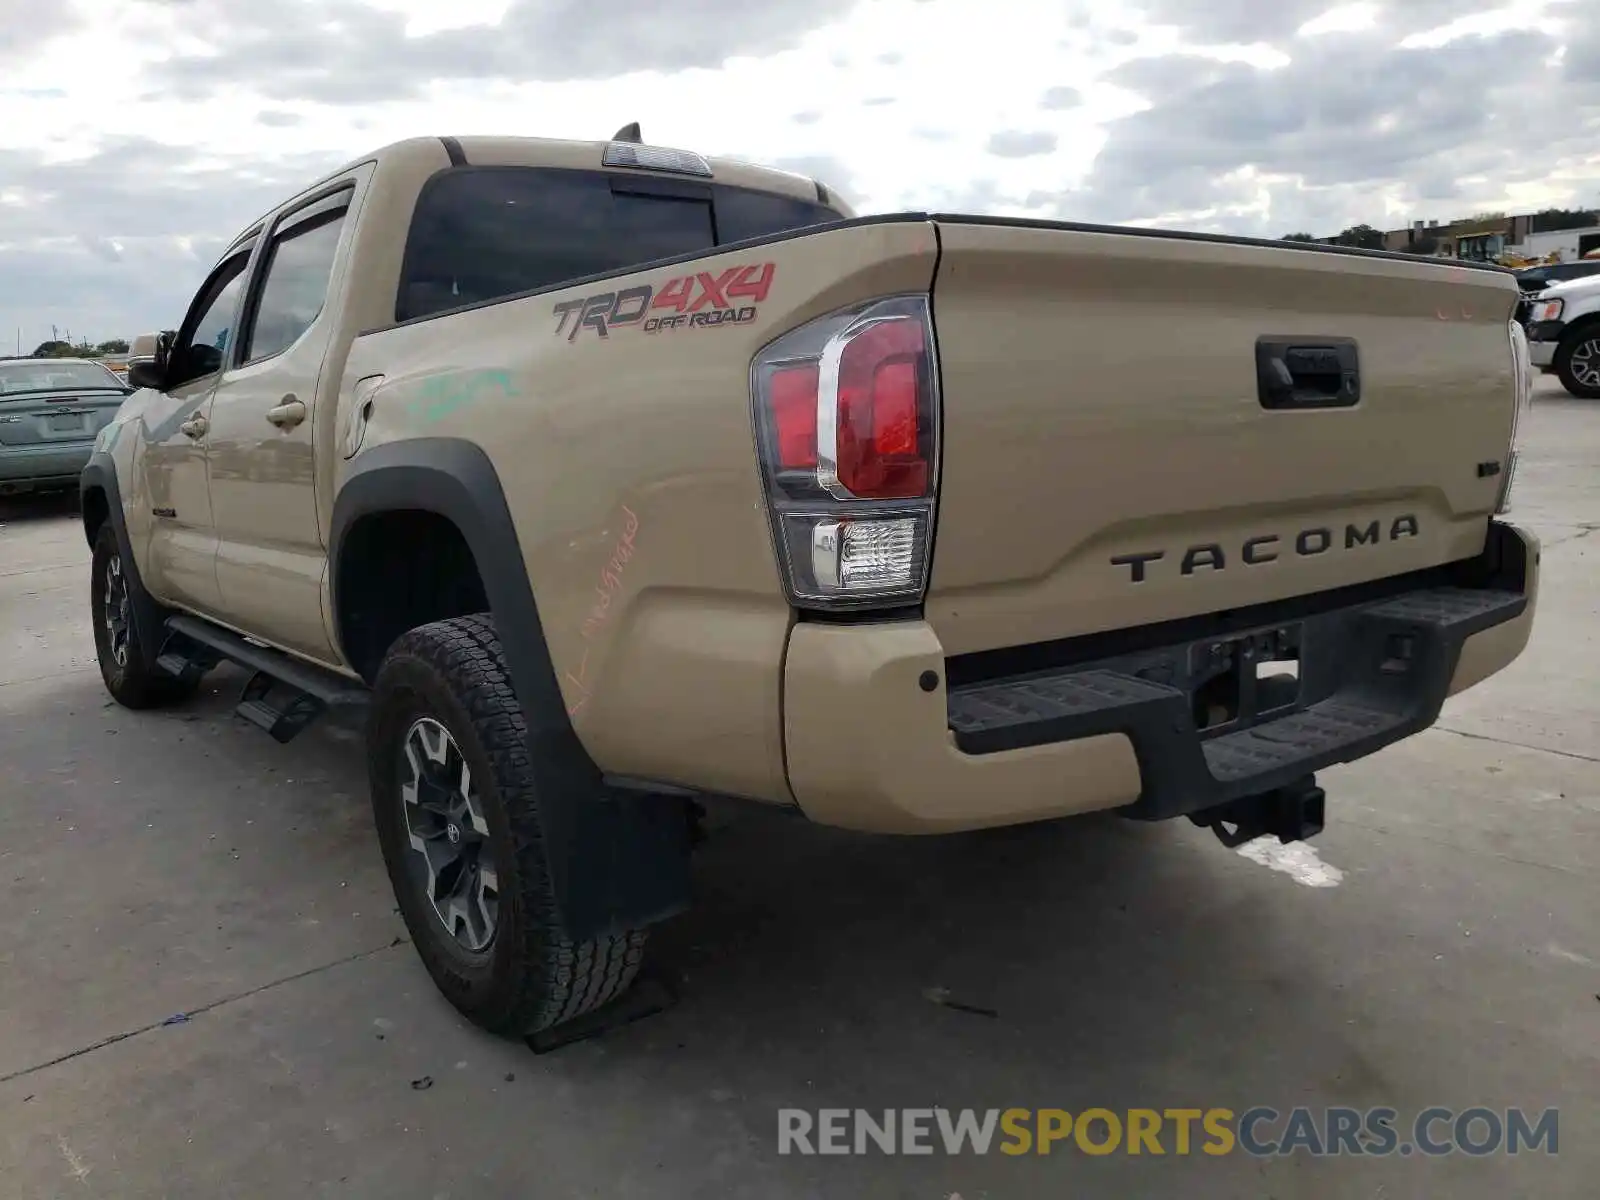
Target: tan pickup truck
{"points": [[601, 477]]}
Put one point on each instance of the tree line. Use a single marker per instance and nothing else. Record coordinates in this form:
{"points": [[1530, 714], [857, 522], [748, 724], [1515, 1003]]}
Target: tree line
{"points": [[57, 348]]}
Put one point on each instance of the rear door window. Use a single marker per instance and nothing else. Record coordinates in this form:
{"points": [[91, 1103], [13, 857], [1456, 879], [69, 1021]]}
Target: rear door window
{"points": [[484, 233]]}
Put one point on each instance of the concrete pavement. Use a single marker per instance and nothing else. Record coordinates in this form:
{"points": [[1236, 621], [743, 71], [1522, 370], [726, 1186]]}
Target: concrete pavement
{"points": [[182, 863]]}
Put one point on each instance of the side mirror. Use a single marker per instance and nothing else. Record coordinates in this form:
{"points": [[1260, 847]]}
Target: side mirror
{"points": [[146, 373], [150, 360]]}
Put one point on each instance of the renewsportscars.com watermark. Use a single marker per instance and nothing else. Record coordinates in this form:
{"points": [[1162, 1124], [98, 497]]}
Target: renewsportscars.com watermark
{"points": [[1259, 1132]]}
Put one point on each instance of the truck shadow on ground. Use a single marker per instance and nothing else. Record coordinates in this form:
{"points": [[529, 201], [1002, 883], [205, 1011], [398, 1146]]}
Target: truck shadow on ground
{"points": [[1082, 951]]}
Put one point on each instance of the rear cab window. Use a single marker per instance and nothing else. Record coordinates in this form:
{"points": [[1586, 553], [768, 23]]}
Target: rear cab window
{"points": [[486, 233]]}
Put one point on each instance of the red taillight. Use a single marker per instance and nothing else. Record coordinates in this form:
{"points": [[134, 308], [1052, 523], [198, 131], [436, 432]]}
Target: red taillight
{"points": [[793, 396], [847, 418], [880, 454]]}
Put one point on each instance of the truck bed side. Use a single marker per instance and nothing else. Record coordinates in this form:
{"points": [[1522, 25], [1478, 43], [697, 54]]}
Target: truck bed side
{"points": [[626, 455]]}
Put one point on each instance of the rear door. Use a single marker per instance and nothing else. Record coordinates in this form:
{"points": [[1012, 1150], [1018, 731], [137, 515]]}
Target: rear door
{"points": [[261, 446]]}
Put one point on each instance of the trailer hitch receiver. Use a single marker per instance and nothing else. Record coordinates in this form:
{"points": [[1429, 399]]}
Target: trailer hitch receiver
{"points": [[1292, 813]]}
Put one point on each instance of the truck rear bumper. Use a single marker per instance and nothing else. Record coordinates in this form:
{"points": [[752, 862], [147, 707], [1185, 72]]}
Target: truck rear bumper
{"points": [[883, 733]]}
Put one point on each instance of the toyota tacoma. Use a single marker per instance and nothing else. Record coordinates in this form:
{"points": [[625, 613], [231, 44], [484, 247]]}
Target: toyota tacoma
{"points": [[599, 478]]}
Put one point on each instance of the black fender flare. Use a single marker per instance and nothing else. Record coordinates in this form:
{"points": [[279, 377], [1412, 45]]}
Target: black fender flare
{"points": [[149, 616], [617, 859]]}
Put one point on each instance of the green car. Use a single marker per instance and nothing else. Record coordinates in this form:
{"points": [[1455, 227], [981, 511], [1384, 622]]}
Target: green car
{"points": [[50, 411]]}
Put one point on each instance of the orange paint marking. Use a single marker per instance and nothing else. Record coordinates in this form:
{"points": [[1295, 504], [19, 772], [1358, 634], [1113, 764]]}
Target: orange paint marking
{"points": [[611, 574], [608, 585]]}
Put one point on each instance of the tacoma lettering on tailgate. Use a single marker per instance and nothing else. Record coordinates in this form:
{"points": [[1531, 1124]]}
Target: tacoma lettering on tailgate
{"points": [[1267, 547], [696, 301]]}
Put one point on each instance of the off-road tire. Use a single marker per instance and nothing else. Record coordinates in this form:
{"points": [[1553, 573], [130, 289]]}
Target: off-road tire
{"points": [[135, 682], [530, 976], [1586, 339]]}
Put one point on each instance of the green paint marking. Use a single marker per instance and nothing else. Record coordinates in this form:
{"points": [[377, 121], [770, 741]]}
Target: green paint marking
{"points": [[444, 394]]}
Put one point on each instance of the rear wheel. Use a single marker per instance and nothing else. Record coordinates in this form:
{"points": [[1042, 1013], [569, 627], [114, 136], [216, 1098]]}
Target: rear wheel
{"points": [[127, 665], [1577, 362], [457, 813]]}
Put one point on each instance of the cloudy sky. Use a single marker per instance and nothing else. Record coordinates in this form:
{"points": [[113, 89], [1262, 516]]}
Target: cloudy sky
{"points": [[136, 136]]}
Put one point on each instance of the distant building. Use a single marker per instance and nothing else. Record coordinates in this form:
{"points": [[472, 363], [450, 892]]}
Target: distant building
{"points": [[1569, 244], [1487, 238], [1417, 233]]}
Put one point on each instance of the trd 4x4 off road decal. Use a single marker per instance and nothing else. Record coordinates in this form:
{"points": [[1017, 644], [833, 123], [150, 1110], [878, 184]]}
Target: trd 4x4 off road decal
{"points": [[700, 300]]}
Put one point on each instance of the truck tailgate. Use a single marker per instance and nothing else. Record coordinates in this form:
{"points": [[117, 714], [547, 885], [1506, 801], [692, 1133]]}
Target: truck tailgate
{"points": [[1111, 456]]}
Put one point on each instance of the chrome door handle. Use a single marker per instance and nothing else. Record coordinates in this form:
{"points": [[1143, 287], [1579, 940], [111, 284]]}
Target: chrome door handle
{"points": [[194, 427], [288, 414]]}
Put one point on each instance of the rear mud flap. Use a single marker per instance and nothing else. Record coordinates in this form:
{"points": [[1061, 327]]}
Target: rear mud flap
{"points": [[618, 859]]}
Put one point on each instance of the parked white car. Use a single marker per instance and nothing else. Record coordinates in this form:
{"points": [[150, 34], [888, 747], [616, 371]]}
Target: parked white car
{"points": [[1563, 324]]}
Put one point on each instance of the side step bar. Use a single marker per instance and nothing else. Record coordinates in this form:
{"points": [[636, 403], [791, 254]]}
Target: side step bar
{"points": [[282, 697]]}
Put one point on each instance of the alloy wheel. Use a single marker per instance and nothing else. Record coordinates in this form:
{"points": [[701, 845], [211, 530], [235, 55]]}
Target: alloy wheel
{"points": [[450, 858], [118, 611], [1585, 363]]}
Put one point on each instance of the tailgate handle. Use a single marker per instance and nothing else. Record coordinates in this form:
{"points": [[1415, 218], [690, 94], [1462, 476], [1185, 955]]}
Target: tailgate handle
{"points": [[1313, 372]]}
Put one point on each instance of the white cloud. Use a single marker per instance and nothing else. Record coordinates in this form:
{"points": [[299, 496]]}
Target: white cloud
{"points": [[426, 16], [1520, 15], [1346, 18], [907, 99]]}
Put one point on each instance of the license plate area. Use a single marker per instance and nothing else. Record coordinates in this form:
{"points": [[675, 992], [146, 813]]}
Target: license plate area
{"points": [[1239, 681], [64, 422]]}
